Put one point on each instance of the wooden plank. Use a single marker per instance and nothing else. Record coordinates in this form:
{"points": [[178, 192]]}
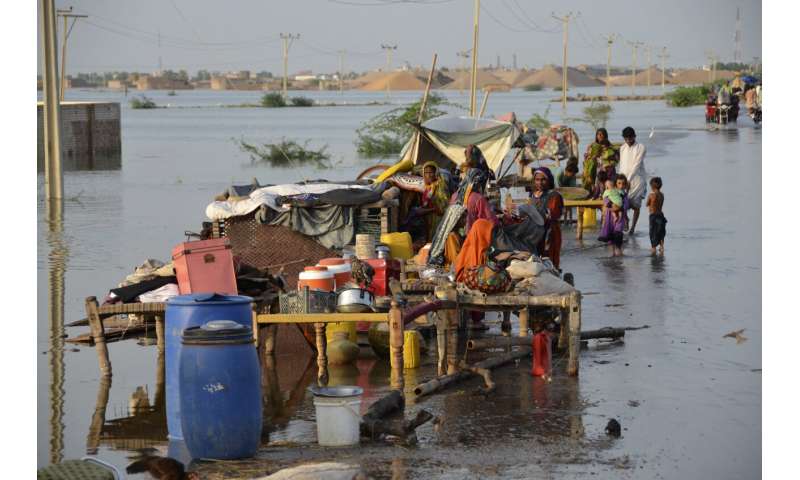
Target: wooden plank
{"points": [[583, 203], [98, 334], [321, 317], [550, 300], [123, 308], [574, 321]]}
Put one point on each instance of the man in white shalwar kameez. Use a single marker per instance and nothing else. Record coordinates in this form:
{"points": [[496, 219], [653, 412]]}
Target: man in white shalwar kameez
{"points": [[631, 164]]}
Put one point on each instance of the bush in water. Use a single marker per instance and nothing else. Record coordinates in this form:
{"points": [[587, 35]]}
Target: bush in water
{"points": [[302, 102], [286, 154], [273, 100], [142, 103]]}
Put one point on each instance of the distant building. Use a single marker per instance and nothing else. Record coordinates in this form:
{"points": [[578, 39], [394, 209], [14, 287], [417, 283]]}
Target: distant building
{"points": [[226, 83], [162, 83], [118, 84]]}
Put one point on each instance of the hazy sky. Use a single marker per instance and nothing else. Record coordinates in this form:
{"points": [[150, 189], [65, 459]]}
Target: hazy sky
{"points": [[244, 34]]}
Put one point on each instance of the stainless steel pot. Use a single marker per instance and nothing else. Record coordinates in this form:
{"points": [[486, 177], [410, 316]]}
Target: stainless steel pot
{"points": [[354, 300], [382, 251]]}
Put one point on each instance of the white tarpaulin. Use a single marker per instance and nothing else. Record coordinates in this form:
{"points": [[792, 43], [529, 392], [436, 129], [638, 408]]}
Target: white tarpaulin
{"points": [[451, 135], [266, 196]]}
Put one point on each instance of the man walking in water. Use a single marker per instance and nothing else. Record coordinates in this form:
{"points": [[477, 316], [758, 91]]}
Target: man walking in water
{"points": [[631, 164]]}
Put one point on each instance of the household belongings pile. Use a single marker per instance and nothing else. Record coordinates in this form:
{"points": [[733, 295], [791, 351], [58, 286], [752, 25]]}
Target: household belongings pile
{"points": [[321, 210], [557, 142]]}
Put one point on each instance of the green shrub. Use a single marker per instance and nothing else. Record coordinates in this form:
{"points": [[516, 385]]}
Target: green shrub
{"points": [[596, 115], [687, 96], [142, 102], [385, 134], [540, 122], [302, 102], [286, 154], [532, 88], [273, 100], [557, 89]]}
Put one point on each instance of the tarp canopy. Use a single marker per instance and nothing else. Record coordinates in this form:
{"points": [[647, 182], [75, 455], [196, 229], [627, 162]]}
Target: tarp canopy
{"points": [[443, 139]]}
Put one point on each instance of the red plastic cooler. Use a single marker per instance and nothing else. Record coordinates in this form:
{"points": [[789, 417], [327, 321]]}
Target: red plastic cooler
{"points": [[205, 266]]}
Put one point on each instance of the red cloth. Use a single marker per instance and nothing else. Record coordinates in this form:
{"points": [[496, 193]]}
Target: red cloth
{"points": [[541, 354]]}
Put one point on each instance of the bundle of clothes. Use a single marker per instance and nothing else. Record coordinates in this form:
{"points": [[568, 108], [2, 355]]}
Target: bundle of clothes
{"points": [[155, 281]]}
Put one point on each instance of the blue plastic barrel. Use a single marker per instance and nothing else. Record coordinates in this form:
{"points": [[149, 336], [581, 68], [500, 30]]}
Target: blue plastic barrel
{"points": [[193, 310], [220, 395]]}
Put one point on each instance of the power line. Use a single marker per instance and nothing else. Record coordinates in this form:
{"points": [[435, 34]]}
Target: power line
{"points": [[532, 22], [180, 14]]}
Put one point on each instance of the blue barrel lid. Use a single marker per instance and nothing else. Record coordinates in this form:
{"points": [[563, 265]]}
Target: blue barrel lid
{"points": [[218, 332], [208, 298]]}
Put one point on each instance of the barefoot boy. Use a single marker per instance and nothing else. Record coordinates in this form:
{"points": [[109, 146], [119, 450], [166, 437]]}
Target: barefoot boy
{"points": [[658, 224]]}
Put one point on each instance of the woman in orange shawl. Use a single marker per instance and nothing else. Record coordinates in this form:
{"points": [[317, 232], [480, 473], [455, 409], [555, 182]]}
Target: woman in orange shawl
{"points": [[473, 252]]}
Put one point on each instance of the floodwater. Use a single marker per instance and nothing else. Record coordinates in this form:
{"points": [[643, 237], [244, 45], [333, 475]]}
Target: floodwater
{"points": [[688, 399]]}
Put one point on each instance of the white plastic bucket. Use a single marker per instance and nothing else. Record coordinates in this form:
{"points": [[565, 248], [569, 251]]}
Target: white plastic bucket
{"points": [[338, 417]]}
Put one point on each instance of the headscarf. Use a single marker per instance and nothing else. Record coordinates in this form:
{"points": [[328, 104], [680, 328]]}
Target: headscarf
{"points": [[547, 173], [475, 179], [475, 159], [607, 143]]}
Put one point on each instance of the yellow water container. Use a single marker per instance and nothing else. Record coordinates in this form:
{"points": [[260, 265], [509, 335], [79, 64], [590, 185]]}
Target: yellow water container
{"points": [[411, 348], [349, 327], [399, 243], [589, 217]]}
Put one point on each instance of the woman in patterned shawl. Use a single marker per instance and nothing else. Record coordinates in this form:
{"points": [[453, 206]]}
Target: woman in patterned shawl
{"points": [[550, 204], [601, 153]]}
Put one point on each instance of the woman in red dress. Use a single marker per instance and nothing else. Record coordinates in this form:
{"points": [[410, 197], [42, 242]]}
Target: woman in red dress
{"points": [[550, 205]]}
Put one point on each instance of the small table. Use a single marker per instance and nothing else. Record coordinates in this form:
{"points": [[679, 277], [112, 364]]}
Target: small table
{"points": [[582, 204]]}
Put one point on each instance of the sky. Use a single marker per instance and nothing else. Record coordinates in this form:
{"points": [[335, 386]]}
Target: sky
{"points": [[245, 34]]}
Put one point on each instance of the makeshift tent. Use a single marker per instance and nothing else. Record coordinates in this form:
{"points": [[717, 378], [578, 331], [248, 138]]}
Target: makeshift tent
{"points": [[443, 140]]}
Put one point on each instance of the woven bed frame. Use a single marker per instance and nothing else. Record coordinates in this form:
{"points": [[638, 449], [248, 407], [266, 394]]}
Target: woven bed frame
{"points": [[275, 247]]}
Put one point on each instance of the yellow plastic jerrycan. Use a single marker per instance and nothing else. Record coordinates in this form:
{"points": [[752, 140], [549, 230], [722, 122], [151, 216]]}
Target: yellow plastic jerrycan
{"points": [[349, 327], [399, 244], [589, 217], [411, 349]]}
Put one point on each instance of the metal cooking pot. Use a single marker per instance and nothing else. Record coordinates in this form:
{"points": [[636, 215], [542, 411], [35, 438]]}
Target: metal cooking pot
{"points": [[354, 300], [383, 251]]}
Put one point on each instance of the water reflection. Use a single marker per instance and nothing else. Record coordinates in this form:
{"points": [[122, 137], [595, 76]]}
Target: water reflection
{"points": [[57, 260], [142, 425]]}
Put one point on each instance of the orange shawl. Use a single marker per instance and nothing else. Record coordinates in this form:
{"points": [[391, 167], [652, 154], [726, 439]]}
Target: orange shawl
{"points": [[473, 252]]}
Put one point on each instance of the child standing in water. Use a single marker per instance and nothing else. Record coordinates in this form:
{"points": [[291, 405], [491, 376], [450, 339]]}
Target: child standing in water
{"points": [[615, 206], [658, 223]]}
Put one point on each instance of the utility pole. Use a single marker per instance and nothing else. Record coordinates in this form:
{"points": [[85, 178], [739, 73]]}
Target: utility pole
{"points": [[712, 66], [53, 177], [389, 50], [464, 54], [565, 21], [160, 69], [609, 41], [635, 46], [474, 80], [497, 64], [663, 55], [514, 60], [341, 70], [288, 39], [737, 54], [66, 15], [649, 64]]}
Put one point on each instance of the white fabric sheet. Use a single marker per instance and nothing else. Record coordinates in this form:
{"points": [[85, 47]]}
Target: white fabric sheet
{"points": [[266, 196]]}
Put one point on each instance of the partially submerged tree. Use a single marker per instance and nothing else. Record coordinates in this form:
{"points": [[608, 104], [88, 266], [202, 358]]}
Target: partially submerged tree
{"points": [[385, 134], [286, 154]]}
